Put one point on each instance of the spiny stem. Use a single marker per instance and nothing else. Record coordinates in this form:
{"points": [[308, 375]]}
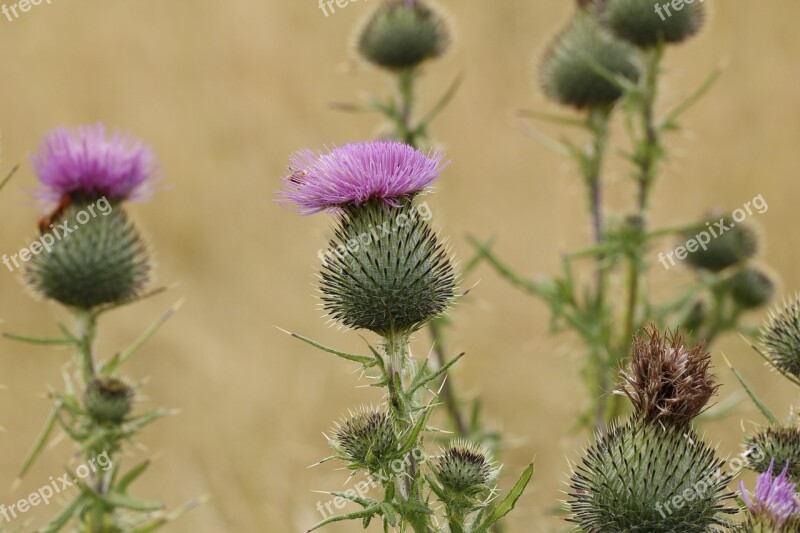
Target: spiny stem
{"points": [[86, 329]]}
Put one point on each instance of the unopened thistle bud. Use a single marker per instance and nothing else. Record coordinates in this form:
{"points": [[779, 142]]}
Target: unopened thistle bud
{"points": [[464, 468], [667, 382], [577, 66], [402, 34], [98, 259], [781, 444], [648, 477], [780, 338], [366, 439], [108, 399], [646, 23], [725, 243], [751, 288]]}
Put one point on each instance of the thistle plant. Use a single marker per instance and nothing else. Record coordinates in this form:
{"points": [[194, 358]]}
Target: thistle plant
{"points": [[654, 472], [607, 65], [775, 505], [387, 272], [400, 38], [91, 259]]}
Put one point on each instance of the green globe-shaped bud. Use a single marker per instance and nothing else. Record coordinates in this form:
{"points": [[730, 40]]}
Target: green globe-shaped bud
{"points": [[576, 67], [402, 35], [750, 288], [720, 248], [366, 439], [464, 468], [780, 338], [108, 400], [102, 260], [645, 23], [779, 443], [385, 270], [649, 478]]}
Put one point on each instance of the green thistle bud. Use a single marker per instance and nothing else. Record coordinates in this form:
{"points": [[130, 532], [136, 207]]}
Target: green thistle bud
{"points": [[367, 439], [779, 443], [402, 34], [572, 72], [645, 23], [385, 270], [102, 260], [780, 338], [464, 468], [737, 243], [648, 477], [666, 382], [750, 288], [108, 399]]}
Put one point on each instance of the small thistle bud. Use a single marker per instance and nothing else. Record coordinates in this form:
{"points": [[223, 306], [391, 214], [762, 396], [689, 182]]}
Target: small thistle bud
{"points": [[572, 70], [774, 503], [402, 34], [464, 468], [386, 271], [780, 338], [781, 444], [725, 248], [108, 399], [367, 439], [665, 381], [637, 22], [696, 316], [629, 480], [750, 288], [102, 259]]}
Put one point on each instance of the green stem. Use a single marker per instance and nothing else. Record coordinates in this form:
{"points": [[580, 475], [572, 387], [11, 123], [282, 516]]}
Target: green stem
{"points": [[405, 89], [86, 329]]}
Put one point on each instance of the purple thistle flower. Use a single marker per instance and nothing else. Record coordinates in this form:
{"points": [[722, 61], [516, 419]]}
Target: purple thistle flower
{"points": [[774, 497], [84, 161], [355, 173]]}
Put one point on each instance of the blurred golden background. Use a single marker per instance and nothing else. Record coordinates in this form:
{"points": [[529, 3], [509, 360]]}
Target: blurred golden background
{"points": [[224, 92]]}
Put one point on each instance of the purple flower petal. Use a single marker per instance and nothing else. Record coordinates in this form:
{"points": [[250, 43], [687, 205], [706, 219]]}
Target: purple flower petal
{"points": [[774, 497], [356, 173]]}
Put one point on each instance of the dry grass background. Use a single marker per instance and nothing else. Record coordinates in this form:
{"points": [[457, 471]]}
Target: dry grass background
{"points": [[224, 91]]}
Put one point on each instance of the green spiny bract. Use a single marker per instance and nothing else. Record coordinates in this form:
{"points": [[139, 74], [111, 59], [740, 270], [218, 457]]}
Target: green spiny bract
{"points": [[399, 36], [464, 468], [102, 261], [575, 68], [385, 270], [735, 245], [366, 439], [108, 400], [639, 23], [762, 523], [631, 478], [750, 288], [780, 337], [779, 443]]}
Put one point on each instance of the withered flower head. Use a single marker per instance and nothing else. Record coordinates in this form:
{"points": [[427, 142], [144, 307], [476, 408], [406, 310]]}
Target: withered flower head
{"points": [[666, 381]]}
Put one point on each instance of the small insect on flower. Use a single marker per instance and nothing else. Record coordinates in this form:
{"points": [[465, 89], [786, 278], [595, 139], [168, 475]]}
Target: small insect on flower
{"points": [[47, 222]]}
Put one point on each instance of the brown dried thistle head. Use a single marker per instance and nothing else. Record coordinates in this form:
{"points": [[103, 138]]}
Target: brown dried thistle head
{"points": [[666, 381]]}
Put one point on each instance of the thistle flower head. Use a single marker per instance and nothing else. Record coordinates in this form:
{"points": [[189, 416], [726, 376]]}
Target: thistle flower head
{"points": [[750, 288], [646, 477], [108, 399], [733, 245], [575, 68], [666, 381], [85, 162], [356, 173], [366, 438], [780, 338], [637, 22], [779, 445], [402, 34], [774, 498], [464, 468]]}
